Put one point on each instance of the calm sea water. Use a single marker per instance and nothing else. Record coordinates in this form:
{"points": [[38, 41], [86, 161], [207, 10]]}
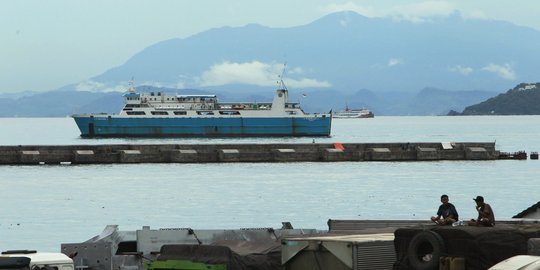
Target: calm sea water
{"points": [[44, 206]]}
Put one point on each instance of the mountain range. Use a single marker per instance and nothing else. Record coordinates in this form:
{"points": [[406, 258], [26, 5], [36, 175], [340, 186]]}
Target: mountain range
{"points": [[389, 66]]}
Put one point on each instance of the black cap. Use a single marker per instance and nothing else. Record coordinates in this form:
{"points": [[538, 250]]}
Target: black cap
{"points": [[479, 199]]}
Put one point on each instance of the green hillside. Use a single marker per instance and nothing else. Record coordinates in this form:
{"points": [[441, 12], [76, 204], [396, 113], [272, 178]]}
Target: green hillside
{"points": [[524, 99]]}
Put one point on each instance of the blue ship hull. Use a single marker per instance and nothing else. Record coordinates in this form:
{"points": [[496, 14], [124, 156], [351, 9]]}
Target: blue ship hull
{"points": [[114, 126]]}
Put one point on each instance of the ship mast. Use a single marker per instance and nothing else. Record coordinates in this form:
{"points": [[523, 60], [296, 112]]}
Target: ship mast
{"points": [[281, 83]]}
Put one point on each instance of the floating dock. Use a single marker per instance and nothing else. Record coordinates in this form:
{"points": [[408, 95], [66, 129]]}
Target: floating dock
{"points": [[206, 153]]}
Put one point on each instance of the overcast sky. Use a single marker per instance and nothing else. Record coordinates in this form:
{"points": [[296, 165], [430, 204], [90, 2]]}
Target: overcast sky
{"points": [[49, 44]]}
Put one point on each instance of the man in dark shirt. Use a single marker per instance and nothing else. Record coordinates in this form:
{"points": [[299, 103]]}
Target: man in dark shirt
{"points": [[447, 213]]}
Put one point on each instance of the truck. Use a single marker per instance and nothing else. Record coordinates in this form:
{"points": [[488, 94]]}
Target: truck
{"points": [[33, 260]]}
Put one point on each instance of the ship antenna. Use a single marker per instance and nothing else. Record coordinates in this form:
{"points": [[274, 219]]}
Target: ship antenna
{"points": [[131, 86], [281, 82]]}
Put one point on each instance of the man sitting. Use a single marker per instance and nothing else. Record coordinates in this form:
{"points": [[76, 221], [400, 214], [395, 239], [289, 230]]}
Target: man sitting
{"points": [[486, 217], [447, 213]]}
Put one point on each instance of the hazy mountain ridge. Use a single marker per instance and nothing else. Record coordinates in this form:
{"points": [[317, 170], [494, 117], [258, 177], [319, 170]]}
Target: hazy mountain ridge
{"points": [[50, 104], [429, 101], [352, 52], [340, 59]]}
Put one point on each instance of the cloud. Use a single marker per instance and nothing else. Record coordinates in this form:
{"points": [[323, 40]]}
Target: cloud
{"points": [[254, 73], [504, 71], [462, 70], [157, 84], [251, 73], [474, 14], [421, 11], [305, 83], [94, 86], [394, 62], [351, 6], [414, 12], [89, 85]]}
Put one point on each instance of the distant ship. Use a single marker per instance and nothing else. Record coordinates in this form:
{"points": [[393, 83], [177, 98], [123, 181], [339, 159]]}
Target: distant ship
{"points": [[354, 113], [162, 115]]}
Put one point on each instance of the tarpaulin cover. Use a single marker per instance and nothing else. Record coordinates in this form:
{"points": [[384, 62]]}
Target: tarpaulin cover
{"points": [[482, 247], [14, 262], [236, 255]]}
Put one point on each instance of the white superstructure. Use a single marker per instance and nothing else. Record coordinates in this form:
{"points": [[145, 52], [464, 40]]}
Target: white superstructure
{"points": [[354, 113], [163, 104]]}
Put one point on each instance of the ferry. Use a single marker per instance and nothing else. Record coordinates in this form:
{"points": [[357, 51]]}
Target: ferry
{"points": [[166, 115], [354, 113]]}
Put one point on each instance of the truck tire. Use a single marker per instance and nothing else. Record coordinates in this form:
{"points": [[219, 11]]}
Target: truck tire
{"points": [[425, 250]]}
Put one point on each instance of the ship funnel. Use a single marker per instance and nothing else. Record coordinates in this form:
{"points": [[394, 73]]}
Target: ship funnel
{"points": [[280, 99]]}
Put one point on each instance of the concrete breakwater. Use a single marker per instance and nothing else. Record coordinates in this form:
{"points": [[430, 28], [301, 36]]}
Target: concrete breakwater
{"points": [[201, 153]]}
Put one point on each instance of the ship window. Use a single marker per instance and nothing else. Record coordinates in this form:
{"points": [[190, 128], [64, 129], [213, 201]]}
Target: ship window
{"points": [[180, 112], [205, 112], [229, 112], [136, 113], [127, 247], [159, 113], [291, 112]]}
